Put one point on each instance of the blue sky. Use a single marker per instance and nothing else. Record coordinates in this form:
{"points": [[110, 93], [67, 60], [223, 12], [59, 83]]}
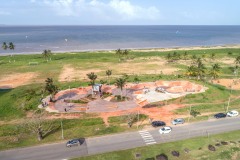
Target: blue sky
{"points": [[120, 12]]}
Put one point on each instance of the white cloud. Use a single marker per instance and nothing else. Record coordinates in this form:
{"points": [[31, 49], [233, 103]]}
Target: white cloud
{"points": [[113, 9]]}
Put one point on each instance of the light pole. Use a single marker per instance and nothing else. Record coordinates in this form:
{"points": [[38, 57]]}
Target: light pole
{"points": [[228, 103], [69, 92], [189, 113], [138, 120], [62, 129]]}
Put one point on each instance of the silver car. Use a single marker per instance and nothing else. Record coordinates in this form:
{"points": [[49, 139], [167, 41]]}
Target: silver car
{"points": [[73, 142], [178, 121]]}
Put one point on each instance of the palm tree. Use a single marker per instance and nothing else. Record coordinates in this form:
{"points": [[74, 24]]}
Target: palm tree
{"points": [[50, 87], [109, 73], [237, 62], [191, 71], [194, 57], [169, 56], [120, 83], [125, 52], [200, 68], [11, 46], [119, 53], [185, 55], [175, 55], [214, 72], [45, 54], [49, 54], [4, 46], [92, 76], [213, 55]]}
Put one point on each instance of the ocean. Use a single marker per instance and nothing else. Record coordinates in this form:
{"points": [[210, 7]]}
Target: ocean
{"points": [[34, 39]]}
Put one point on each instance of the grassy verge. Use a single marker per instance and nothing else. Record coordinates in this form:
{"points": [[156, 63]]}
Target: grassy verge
{"points": [[17, 135], [198, 149]]}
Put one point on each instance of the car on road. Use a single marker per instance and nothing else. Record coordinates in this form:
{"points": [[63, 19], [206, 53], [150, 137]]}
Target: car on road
{"points": [[220, 115], [178, 121], [165, 130], [232, 113], [73, 142], [158, 123]]}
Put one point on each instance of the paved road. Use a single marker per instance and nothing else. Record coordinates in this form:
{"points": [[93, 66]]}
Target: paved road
{"points": [[121, 141]]}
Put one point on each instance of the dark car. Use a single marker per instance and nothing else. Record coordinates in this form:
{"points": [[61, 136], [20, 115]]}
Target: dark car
{"points": [[158, 123], [73, 142], [220, 115]]}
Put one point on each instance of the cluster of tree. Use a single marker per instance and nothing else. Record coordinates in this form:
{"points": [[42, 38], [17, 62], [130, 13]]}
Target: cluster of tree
{"points": [[38, 123], [119, 82], [197, 69], [122, 53], [176, 56], [10, 46], [185, 56]]}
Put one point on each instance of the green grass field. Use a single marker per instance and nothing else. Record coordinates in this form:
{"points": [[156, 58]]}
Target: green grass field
{"points": [[17, 103]]}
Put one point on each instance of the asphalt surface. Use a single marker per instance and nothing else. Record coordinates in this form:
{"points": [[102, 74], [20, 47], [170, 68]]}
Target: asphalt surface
{"points": [[121, 141]]}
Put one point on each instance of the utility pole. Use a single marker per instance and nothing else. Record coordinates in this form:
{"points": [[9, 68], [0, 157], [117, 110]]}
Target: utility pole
{"points": [[62, 129], [228, 103], [189, 113], [138, 120]]}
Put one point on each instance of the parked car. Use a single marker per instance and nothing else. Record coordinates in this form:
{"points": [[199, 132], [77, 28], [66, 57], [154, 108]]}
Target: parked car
{"points": [[220, 115], [158, 123], [178, 121], [165, 130], [73, 142], [232, 113]]}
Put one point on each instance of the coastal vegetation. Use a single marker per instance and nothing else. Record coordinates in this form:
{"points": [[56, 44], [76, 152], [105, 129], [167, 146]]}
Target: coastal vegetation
{"points": [[24, 85]]}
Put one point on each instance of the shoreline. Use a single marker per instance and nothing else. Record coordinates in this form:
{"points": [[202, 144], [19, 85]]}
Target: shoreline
{"points": [[146, 49]]}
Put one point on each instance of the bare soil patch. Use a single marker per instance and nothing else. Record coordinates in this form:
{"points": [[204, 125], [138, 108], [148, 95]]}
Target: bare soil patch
{"points": [[70, 73], [17, 79], [229, 83]]}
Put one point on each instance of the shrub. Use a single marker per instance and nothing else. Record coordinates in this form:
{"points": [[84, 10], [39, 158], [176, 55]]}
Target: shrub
{"points": [[211, 148], [162, 157]]}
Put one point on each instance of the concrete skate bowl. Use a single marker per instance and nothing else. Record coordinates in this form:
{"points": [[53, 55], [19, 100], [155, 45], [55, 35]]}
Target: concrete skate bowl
{"points": [[138, 95], [165, 90]]}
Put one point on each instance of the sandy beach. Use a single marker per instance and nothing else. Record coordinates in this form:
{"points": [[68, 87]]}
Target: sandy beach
{"points": [[236, 46], [188, 48]]}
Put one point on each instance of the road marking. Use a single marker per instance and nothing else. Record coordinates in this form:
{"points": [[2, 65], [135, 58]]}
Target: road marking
{"points": [[151, 143], [147, 137]]}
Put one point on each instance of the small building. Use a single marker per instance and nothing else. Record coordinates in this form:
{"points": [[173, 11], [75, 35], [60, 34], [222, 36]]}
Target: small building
{"points": [[97, 88]]}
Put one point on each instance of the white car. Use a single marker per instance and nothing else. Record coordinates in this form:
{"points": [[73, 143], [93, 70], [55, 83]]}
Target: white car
{"points": [[232, 113], [165, 130]]}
